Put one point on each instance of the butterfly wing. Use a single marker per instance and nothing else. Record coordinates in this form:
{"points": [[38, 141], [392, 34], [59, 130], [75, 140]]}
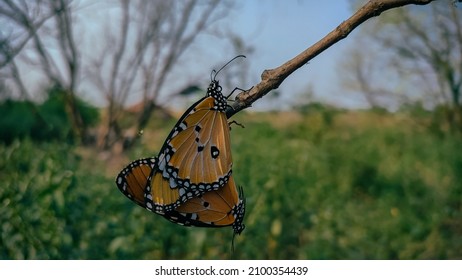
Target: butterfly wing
{"points": [[201, 151], [218, 208], [133, 179], [196, 157]]}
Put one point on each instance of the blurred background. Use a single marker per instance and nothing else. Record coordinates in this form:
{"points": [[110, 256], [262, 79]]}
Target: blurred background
{"points": [[356, 156]]}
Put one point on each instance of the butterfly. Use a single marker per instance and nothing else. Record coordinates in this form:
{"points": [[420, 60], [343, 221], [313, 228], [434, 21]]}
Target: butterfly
{"points": [[194, 167], [219, 208], [196, 156]]}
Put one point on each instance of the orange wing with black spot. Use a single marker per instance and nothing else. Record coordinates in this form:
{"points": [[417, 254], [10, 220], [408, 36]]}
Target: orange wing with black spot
{"points": [[220, 208], [196, 156], [134, 178]]}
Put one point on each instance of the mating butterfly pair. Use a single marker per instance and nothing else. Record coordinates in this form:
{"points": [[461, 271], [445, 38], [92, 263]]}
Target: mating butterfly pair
{"points": [[190, 183]]}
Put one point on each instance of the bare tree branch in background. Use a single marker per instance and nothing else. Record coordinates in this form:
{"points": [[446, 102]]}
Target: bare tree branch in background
{"points": [[152, 37], [68, 50], [183, 28], [22, 29], [116, 86], [13, 43], [27, 20], [437, 54], [423, 46], [360, 73]]}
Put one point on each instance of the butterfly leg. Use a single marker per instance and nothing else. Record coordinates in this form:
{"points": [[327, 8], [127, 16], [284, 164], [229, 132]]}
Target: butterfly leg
{"points": [[236, 88], [236, 123]]}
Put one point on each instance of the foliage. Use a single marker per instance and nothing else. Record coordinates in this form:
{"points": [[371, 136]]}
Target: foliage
{"points": [[362, 185], [42, 122], [17, 120]]}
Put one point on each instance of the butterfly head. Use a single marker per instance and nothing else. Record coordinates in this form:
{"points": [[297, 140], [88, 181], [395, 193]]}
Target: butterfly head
{"points": [[215, 90]]}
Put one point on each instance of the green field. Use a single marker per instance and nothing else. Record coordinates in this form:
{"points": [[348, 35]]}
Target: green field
{"points": [[323, 185]]}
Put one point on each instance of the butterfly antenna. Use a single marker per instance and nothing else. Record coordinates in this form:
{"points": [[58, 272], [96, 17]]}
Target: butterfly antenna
{"points": [[212, 75], [216, 72]]}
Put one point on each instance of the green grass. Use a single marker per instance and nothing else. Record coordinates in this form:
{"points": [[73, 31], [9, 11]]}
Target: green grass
{"points": [[327, 185]]}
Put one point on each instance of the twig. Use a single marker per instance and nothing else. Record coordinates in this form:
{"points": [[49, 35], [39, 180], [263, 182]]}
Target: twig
{"points": [[272, 78]]}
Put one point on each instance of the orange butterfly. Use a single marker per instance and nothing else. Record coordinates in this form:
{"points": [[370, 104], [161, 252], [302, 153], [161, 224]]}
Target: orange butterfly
{"points": [[193, 169], [196, 157]]}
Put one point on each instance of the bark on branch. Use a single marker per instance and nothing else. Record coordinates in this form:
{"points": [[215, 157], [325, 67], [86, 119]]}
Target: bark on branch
{"points": [[272, 78]]}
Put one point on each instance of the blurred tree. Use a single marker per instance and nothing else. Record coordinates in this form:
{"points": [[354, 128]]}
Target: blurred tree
{"points": [[423, 46], [362, 73], [59, 62], [149, 41], [137, 50]]}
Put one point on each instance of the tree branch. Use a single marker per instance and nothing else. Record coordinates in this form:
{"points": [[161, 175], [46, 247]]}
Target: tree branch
{"points": [[272, 78], [18, 17]]}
